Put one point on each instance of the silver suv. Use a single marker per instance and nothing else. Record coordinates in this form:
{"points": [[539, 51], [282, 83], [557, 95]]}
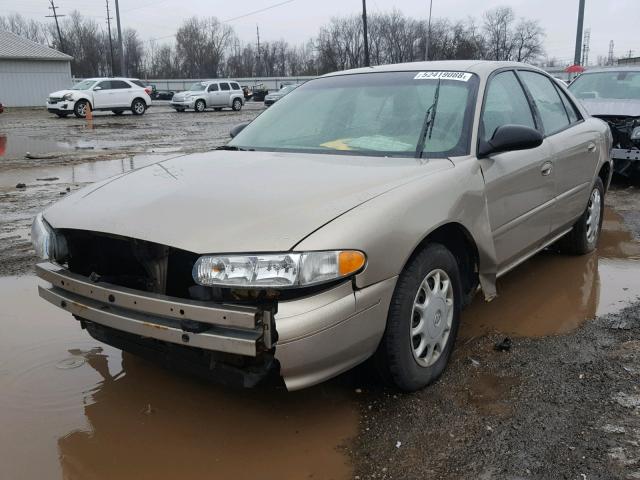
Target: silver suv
{"points": [[216, 94]]}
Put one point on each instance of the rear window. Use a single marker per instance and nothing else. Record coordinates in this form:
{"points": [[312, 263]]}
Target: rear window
{"points": [[235, 86], [119, 84], [224, 86]]}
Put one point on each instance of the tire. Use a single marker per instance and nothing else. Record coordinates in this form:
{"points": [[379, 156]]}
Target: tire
{"points": [[398, 359], [199, 106], [138, 107], [80, 108], [582, 238], [236, 105], [117, 112], [62, 115]]}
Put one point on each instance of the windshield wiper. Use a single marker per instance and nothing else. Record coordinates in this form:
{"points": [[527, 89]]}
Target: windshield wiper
{"points": [[427, 126], [231, 147]]}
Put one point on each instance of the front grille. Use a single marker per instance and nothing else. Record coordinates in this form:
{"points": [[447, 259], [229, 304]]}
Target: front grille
{"points": [[55, 99]]}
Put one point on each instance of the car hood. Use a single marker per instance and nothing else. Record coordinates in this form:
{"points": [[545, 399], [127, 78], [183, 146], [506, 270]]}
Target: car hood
{"points": [[228, 201], [612, 107], [61, 93]]}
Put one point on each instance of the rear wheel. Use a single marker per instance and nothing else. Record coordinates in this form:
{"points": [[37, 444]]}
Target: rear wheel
{"points": [[199, 106], [236, 105], [423, 319], [584, 235], [80, 108], [138, 107]]}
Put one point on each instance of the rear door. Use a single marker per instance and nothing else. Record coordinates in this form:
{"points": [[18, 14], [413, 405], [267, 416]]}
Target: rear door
{"points": [[103, 96], [123, 93], [574, 147], [520, 193]]}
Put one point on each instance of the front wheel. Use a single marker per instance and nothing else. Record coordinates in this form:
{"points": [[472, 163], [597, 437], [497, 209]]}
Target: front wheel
{"points": [[138, 107], [423, 320], [236, 105], [199, 106], [584, 235], [80, 108]]}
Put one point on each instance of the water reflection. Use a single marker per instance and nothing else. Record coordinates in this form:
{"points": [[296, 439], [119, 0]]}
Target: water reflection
{"points": [[145, 422]]}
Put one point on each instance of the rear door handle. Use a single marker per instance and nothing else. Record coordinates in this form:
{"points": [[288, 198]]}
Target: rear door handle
{"points": [[546, 169], [591, 147]]}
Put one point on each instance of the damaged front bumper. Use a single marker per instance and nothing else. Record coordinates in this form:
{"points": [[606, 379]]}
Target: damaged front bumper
{"points": [[312, 338]]}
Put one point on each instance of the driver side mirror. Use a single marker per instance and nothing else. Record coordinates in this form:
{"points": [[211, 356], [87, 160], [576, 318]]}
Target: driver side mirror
{"points": [[509, 138], [237, 129], [95, 89]]}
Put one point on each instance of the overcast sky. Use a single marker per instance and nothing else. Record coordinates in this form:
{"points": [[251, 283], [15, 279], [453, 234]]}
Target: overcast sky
{"points": [[299, 20]]}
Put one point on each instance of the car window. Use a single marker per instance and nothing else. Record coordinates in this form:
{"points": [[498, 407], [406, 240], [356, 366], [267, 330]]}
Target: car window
{"points": [[84, 85], [235, 86], [505, 104], [371, 114], [105, 85], [138, 83], [118, 84], [224, 86], [548, 102], [621, 85], [213, 87], [572, 111]]}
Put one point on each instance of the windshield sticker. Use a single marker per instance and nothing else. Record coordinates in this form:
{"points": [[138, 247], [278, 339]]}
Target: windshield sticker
{"points": [[460, 76]]}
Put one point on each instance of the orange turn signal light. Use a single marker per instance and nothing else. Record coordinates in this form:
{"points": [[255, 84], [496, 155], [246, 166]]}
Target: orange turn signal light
{"points": [[350, 261]]}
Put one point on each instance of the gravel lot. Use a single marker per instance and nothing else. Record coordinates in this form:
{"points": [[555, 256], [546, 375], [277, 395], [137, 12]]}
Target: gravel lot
{"points": [[562, 403]]}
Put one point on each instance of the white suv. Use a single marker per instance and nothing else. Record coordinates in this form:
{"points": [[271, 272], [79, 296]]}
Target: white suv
{"points": [[216, 94], [115, 94]]}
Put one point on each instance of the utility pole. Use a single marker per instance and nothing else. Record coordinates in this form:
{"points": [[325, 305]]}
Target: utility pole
{"points": [[110, 41], [367, 63], [258, 51], [585, 47], [121, 50], [610, 57], [55, 16], [576, 57], [428, 44]]}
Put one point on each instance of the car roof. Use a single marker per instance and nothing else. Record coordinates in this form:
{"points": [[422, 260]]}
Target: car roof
{"points": [[613, 69], [479, 67]]}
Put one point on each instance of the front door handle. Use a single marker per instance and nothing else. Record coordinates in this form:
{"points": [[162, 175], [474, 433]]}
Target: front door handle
{"points": [[546, 169], [591, 147]]}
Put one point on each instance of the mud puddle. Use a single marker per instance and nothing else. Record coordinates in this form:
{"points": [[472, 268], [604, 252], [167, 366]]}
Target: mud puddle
{"points": [[88, 172], [17, 146], [74, 408], [554, 294]]}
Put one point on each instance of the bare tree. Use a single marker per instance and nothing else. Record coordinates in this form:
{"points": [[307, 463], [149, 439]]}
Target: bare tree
{"points": [[498, 30], [527, 41], [29, 29], [201, 45]]}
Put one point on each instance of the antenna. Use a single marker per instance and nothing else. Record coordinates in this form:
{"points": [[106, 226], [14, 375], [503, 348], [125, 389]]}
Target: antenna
{"points": [[55, 16]]}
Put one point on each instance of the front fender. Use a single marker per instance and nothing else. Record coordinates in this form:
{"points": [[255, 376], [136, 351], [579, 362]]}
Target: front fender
{"points": [[390, 227]]}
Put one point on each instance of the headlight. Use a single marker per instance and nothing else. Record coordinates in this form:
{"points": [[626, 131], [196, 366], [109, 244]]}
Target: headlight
{"points": [[635, 134], [67, 96], [45, 241], [277, 270]]}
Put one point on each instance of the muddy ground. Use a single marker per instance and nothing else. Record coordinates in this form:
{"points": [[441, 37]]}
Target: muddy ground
{"points": [[562, 402]]}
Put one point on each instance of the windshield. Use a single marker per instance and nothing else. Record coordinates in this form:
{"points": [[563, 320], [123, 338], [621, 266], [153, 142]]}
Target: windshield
{"points": [[610, 85], [368, 114], [84, 85], [197, 87]]}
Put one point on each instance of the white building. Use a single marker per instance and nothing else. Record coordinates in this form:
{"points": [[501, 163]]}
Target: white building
{"points": [[30, 71]]}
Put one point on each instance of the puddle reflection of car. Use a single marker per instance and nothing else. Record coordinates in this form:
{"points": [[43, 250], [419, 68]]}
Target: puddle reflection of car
{"points": [[355, 218], [274, 97], [214, 94], [115, 94], [613, 95]]}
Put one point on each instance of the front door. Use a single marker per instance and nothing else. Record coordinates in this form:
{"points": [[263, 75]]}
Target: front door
{"points": [[519, 185], [102, 95], [212, 94]]}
